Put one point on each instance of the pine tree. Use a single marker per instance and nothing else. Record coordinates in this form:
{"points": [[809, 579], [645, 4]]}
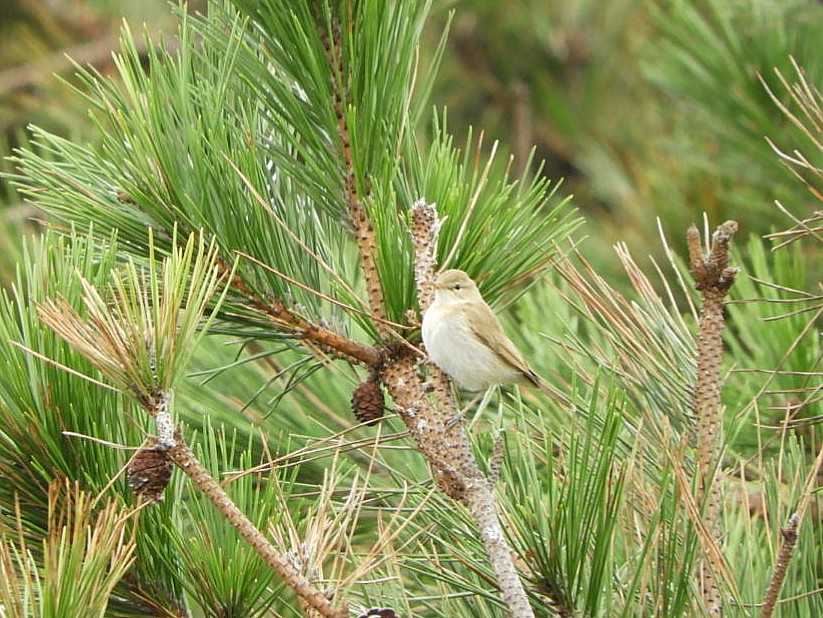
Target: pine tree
{"points": [[218, 342]]}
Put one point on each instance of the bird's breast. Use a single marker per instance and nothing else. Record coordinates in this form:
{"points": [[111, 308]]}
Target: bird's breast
{"points": [[453, 346]]}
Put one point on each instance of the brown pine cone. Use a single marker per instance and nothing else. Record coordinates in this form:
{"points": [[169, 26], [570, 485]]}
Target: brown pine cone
{"points": [[367, 402], [149, 472]]}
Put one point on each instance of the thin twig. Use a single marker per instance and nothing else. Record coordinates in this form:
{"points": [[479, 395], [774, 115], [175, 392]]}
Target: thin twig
{"points": [[781, 566]]}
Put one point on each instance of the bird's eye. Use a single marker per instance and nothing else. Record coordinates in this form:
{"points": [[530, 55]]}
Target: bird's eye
{"points": [[457, 286]]}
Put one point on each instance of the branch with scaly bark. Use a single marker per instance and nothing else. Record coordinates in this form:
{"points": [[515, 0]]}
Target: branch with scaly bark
{"points": [[713, 277], [309, 596], [171, 445], [790, 537], [322, 337], [122, 337], [441, 437], [363, 229], [781, 566], [425, 227]]}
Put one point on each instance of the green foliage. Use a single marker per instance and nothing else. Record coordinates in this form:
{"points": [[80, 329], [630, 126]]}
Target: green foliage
{"points": [[501, 231], [143, 336], [224, 576], [186, 141], [41, 401], [712, 48], [85, 555], [565, 514]]}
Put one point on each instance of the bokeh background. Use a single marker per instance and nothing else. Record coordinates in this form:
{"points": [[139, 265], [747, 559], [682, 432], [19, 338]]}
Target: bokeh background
{"points": [[646, 109]]}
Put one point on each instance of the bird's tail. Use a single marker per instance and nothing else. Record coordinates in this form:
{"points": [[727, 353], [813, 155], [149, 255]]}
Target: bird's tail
{"points": [[548, 389]]}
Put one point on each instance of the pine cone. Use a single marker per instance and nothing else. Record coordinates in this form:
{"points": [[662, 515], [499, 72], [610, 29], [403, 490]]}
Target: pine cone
{"points": [[149, 472], [367, 402]]}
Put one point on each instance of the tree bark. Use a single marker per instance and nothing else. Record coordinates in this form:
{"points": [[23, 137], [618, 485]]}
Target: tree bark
{"points": [[713, 277], [185, 459], [441, 436]]}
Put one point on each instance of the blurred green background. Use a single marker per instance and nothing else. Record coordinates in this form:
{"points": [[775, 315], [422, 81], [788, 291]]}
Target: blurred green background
{"points": [[647, 109]]}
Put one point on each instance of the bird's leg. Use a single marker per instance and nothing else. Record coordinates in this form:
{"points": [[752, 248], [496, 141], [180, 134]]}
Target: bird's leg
{"points": [[461, 414], [484, 402], [456, 418], [422, 361], [427, 383]]}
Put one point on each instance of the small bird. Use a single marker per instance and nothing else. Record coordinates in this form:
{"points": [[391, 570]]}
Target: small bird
{"points": [[465, 340]]}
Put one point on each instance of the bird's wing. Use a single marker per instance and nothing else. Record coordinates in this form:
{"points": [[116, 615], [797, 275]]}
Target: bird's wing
{"points": [[486, 328]]}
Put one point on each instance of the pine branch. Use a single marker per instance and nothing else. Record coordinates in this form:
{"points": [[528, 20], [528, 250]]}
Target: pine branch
{"points": [[324, 338], [443, 440], [790, 535], [713, 277], [142, 341], [425, 228], [91, 549], [184, 458], [424, 236], [363, 229], [781, 566], [483, 508]]}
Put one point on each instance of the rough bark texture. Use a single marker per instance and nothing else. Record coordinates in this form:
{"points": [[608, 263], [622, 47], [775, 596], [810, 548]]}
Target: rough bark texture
{"points": [[310, 596], [781, 566], [713, 277], [323, 338], [440, 435], [446, 447], [481, 503], [424, 236], [363, 230], [425, 227]]}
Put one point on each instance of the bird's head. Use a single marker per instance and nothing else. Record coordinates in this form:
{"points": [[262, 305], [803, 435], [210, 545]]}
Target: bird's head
{"points": [[455, 286]]}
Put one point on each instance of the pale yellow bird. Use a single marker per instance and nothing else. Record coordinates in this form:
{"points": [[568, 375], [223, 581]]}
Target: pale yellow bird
{"points": [[465, 340]]}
